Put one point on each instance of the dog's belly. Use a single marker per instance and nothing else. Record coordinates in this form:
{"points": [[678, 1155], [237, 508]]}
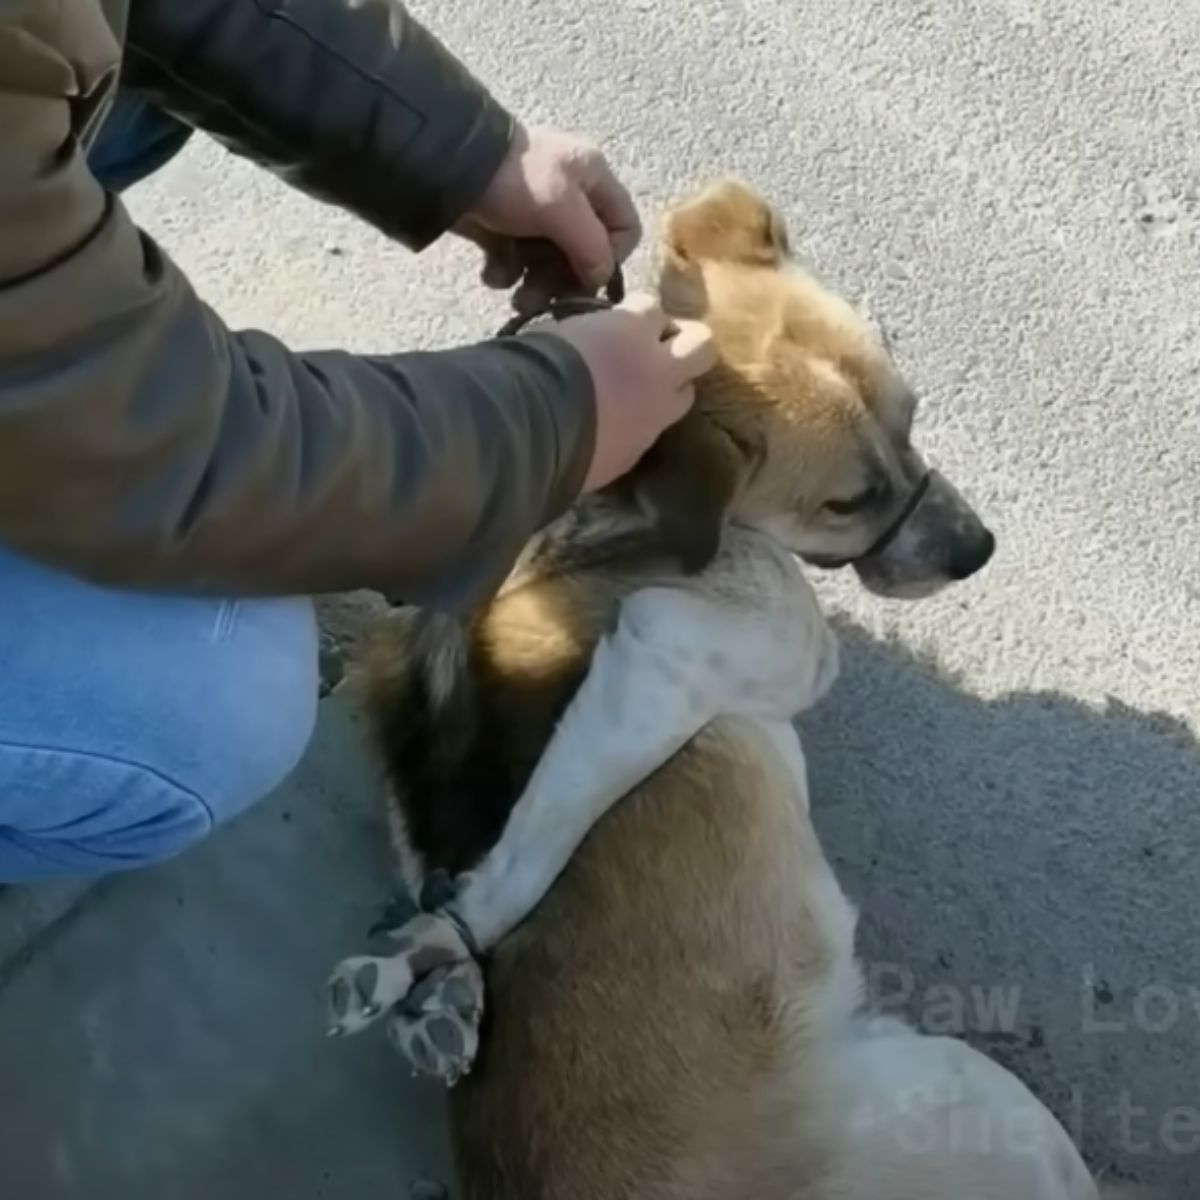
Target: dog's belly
{"points": [[642, 1020]]}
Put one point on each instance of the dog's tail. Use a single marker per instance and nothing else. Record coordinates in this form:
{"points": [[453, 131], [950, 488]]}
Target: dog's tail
{"points": [[422, 694], [447, 689], [440, 736]]}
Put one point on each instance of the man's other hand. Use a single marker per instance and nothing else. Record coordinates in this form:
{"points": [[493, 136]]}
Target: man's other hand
{"points": [[644, 369]]}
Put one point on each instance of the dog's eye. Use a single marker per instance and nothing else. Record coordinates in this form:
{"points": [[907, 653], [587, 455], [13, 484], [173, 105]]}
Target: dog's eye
{"points": [[852, 504]]}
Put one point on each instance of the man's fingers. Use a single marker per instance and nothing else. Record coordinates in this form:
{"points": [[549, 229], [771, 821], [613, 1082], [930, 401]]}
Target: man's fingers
{"points": [[501, 269], [641, 304], [689, 344], [692, 350], [573, 225], [616, 210], [501, 264]]}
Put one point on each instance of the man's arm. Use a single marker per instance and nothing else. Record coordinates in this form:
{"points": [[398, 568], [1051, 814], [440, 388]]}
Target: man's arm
{"points": [[351, 101], [143, 442]]}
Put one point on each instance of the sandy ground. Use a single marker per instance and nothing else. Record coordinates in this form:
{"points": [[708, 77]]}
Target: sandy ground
{"points": [[1007, 777]]}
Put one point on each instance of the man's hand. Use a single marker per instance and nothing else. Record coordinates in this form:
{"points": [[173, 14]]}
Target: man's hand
{"points": [[558, 188], [644, 379]]}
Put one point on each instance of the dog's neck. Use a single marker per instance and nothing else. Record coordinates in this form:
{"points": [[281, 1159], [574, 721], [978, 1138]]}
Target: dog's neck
{"points": [[605, 549], [606, 534]]}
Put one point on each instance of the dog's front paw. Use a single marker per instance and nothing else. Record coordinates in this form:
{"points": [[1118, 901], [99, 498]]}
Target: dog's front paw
{"points": [[364, 987], [437, 1025]]}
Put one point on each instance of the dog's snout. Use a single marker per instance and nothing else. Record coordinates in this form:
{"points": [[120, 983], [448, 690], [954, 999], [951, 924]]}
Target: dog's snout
{"points": [[968, 559]]}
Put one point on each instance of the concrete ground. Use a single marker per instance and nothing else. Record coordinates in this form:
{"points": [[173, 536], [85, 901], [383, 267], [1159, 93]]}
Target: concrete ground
{"points": [[1007, 777]]}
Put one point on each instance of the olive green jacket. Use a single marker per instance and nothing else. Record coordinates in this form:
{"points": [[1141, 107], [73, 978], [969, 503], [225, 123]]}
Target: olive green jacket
{"points": [[142, 442]]}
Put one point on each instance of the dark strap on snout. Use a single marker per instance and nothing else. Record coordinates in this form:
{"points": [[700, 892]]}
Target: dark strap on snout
{"points": [[886, 538]]}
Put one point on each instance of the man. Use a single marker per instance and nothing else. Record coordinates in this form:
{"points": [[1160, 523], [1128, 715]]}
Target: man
{"points": [[155, 465]]}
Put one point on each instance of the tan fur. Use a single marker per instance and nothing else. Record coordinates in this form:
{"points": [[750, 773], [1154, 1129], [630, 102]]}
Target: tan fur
{"points": [[650, 1020], [646, 1004], [660, 1016], [805, 405]]}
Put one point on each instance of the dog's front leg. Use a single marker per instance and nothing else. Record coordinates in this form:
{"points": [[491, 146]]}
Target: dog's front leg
{"points": [[745, 638], [647, 692]]}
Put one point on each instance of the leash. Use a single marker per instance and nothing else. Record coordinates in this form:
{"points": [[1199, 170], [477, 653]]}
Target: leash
{"points": [[562, 307], [888, 536]]}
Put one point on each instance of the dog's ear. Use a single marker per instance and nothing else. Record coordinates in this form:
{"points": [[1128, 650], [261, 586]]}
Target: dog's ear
{"points": [[687, 483], [727, 222]]}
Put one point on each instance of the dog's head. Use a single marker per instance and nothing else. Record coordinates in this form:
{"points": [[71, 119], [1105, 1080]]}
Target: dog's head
{"points": [[804, 428]]}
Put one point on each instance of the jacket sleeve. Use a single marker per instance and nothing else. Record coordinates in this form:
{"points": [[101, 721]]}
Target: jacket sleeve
{"points": [[143, 442], [353, 102]]}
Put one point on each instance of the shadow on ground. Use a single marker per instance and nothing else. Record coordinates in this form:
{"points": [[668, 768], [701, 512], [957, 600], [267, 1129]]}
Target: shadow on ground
{"points": [[1028, 869]]}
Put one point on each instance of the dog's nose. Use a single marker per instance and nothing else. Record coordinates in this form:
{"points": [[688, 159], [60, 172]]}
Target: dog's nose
{"points": [[972, 557]]}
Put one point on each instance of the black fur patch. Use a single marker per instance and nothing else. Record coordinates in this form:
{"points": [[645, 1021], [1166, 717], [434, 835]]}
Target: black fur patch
{"points": [[460, 756]]}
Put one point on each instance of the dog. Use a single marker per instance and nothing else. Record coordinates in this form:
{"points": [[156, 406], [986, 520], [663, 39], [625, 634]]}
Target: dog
{"points": [[650, 688], [681, 1016]]}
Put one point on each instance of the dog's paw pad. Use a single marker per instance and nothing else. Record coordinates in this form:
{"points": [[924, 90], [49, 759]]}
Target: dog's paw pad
{"points": [[366, 983], [361, 988], [437, 1025], [443, 1048]]}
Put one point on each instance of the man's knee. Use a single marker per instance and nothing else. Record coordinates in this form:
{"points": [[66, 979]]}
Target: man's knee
{"points": [[252, 742], [232, 732], [175, 749], [103, 814], [251, 749]]}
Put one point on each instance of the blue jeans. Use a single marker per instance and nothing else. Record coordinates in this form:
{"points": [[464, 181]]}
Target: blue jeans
{"points": [[132, 724]]}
